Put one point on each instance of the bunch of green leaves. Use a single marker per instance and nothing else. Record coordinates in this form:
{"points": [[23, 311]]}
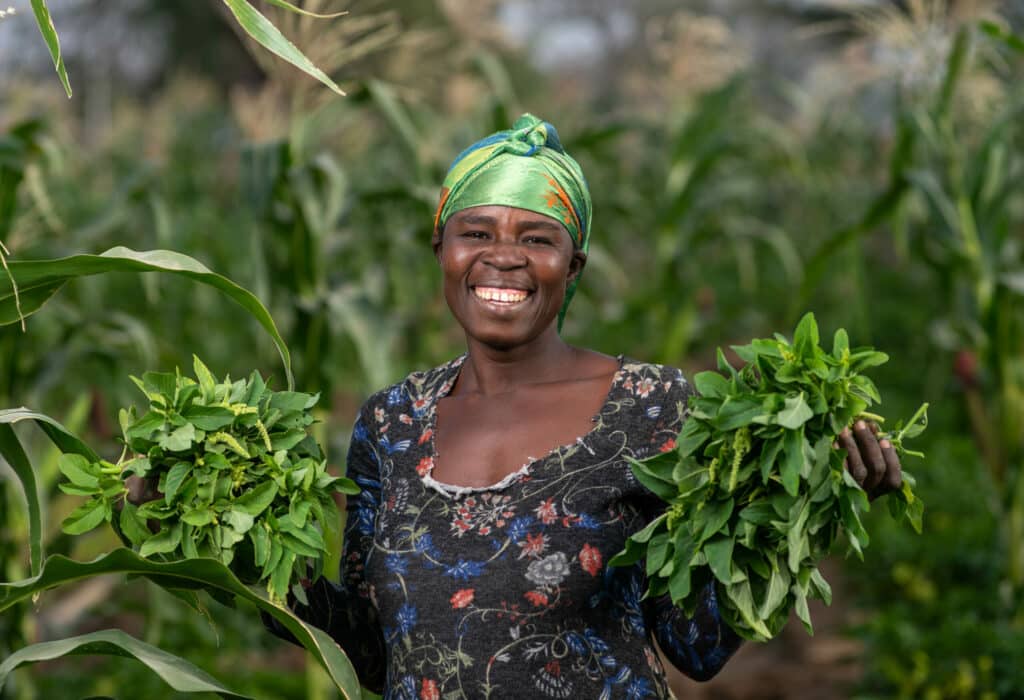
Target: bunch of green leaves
{"points": [[757, 494], [240, 479]]}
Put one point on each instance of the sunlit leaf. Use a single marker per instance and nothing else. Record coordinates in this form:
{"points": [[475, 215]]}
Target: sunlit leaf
{"points": [[39, 280], [192, 573], [176, 672], [267, 35], [49, 32]]}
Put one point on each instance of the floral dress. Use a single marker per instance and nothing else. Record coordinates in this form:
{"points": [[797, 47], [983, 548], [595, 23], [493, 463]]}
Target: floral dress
{"points": [[503, 591]]}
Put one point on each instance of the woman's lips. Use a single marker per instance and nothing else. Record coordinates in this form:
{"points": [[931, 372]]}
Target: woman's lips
{"points": [[501, 295]]}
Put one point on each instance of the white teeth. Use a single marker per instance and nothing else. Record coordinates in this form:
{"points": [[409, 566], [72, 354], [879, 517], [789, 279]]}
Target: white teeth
{"points": [[505, 296]]}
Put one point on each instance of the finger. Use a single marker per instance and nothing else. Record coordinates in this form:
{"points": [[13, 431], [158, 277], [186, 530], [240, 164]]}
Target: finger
{"points": [[854, 463], [871, 454], [893, 479], [136, 489]]}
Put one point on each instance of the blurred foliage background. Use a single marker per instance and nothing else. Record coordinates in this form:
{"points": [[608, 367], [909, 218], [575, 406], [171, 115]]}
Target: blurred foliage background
{"points": [[749, 161]]}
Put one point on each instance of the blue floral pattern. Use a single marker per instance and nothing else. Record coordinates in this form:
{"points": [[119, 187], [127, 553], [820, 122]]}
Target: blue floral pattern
{"points": [[504, 592]]}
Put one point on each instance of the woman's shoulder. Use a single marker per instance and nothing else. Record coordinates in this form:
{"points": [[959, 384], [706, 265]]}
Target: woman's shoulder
{"points": [[416, 392], [650, 378]]}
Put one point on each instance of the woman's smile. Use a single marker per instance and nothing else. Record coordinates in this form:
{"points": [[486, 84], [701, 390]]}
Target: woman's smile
{"points": [[501, 297]]}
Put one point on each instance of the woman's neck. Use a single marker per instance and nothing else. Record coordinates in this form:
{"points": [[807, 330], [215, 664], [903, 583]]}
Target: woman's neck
{"points": [[490, 371]]}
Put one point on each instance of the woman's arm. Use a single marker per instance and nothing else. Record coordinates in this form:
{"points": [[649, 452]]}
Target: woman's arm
{"points": [[698, 646], [345, 611]]}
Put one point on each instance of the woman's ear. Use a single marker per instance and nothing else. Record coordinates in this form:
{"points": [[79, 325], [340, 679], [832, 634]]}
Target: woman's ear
{"points": [[435, 243], [576, 265]]}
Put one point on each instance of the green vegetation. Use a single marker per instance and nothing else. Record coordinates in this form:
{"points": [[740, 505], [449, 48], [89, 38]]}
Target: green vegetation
{"points": [[757, 494], [238, 473]]}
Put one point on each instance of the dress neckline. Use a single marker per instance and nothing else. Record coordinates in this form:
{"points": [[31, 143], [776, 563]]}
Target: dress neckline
{"points": [[455, 490]]}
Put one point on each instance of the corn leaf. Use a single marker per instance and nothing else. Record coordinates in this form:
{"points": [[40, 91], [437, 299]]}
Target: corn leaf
{"points": [[38, 280], [263, 31], [12, 451], [208, 574], [49, 33], [178, 673]]}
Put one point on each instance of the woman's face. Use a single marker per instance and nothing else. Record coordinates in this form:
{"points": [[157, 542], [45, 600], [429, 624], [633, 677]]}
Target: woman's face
{"points": [[505, 272]]}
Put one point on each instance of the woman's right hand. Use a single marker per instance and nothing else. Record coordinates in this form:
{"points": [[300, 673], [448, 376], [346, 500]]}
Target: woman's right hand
{"points": [[142, 490]]}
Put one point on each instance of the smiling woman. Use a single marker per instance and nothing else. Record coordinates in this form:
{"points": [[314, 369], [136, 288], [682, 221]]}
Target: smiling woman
{"points": [[496, 487]]}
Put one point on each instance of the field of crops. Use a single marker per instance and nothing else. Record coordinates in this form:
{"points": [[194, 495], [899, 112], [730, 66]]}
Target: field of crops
{"points": [[870, 176]]}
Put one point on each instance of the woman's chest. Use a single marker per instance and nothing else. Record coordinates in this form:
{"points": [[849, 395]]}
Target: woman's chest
{"points": [[537, 547], [480, 440]]}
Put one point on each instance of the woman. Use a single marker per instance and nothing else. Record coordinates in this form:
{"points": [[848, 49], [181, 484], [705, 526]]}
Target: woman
{"points": [[496, 486]]}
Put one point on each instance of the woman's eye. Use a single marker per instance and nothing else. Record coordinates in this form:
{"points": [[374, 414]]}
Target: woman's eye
{"points": [[540, 240], [474, 234]]}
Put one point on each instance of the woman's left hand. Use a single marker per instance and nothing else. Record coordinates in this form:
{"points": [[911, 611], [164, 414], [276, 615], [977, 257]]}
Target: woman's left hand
{"points": [[873, 463]]}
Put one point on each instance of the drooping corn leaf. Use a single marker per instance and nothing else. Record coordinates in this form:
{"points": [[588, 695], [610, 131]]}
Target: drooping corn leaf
{"points": [[12, 451], [38, 280], [263, 31], [49, 32], [208, 574], [178, 673]]}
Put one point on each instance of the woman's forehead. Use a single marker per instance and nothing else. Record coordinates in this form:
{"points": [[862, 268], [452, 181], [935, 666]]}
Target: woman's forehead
{"points": [[491, 214]]}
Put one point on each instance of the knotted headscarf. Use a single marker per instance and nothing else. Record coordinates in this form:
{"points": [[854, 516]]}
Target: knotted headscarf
{"points": [[524, 167]]}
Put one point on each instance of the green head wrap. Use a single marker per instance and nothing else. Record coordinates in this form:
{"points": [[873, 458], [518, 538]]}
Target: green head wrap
{"points": [[527, 168]]}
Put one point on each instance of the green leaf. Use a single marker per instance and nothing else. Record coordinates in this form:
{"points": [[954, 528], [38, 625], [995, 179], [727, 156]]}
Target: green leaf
{"points": [[793, 461], [85, 517], [805, 339], [769, 452], [692, 436], [741, 596], [840, 344], [287, 401], [174, 479], [802, 611], [795, 413], [12, 451], [821, 588], [796, 537], [163, 542], [719, 553], [657, 552], [737, 412], [711, 384], [716, 515], [654, 476], [198, 516], [205, 378], [282, 574], [645, 534], [238, 520], [255, 500], [49, 32], [266, 34], [77, 469], [180, 439], [775, 593], [176, 672], [195, 573], [208, 417], [133, 527], [47, 276], [864, 359]]}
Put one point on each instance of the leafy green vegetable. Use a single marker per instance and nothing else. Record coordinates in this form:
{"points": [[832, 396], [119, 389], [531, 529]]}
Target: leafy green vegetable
{"points": [[757, 495], [242, 480]]}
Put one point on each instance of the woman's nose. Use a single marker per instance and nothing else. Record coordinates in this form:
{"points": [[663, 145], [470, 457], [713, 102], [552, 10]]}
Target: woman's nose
{"points": [[505, 254]]}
